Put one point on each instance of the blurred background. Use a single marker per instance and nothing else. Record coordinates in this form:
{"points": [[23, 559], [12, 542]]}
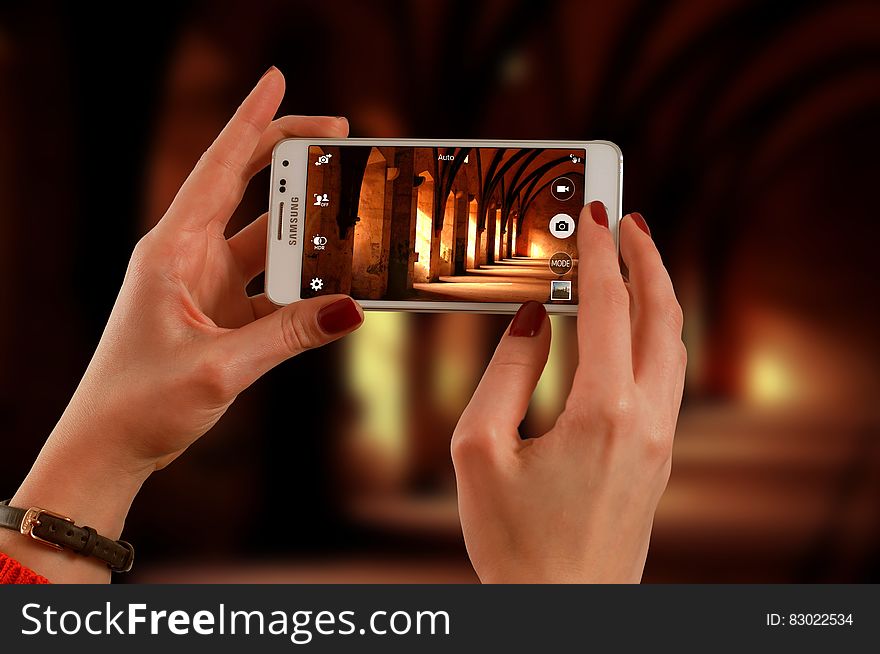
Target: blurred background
{"points": [[750, 134]]}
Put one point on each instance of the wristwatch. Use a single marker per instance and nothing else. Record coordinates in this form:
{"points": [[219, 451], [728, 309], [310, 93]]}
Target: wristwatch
{"points": [[60, 532]]}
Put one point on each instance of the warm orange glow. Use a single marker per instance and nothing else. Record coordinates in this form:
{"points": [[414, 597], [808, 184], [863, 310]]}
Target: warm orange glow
{"points": [[551, 392], [424, 227], [375, 358], [472, 234], [513, 236], [769, 379], [446, 237], [536, 251], [786, 364], [497, 234], [423, 244]]}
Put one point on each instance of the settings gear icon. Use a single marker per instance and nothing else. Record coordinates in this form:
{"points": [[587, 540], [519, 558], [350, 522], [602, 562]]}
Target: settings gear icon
{"points": [[317, 284]]}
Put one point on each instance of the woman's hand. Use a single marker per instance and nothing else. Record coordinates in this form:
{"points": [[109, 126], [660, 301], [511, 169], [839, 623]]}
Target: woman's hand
{"points": [[183, 339], [577, 504]]}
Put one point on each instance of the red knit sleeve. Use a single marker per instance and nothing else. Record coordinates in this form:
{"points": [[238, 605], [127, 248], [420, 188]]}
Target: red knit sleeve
{"points": [[13, 572]]}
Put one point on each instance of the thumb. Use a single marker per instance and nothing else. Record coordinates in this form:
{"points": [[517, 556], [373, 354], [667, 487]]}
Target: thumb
{"points": [[261, 345], [492, 418]]}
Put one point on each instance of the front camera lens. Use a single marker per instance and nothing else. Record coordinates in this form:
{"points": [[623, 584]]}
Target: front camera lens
{"points": [[285, 162]]}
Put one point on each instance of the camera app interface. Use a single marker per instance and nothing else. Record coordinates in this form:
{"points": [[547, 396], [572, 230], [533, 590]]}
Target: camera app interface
{"points": [[443, 224]]}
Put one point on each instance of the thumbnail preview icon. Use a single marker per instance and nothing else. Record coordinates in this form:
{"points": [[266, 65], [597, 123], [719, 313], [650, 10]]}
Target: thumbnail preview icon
{"points": [[560, 289]]}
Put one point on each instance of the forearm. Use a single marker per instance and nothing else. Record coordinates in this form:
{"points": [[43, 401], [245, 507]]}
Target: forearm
{"points": [[74, 478]]}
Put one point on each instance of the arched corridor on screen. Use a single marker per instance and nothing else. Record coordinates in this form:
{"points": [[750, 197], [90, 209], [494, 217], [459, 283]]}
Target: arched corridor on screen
{"points": [[459, 224]]}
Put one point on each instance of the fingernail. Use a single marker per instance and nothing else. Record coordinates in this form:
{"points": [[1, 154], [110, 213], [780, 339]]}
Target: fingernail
{"points": [[341, 118], [271, 68], [599, 214], [528, 320], [339, 316], [639, 220]]}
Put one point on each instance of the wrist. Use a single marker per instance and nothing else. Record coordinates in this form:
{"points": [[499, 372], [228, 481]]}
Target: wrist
{"points": [[75, 477], [84, 484]]}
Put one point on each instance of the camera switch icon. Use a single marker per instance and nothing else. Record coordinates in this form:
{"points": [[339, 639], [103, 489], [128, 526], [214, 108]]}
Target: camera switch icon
{"points": [[562, 225]]}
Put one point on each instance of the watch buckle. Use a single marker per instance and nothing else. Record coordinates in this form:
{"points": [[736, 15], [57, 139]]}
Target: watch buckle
{"points": [[32, 519]]}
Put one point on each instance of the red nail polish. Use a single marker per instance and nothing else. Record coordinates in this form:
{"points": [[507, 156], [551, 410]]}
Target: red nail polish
{"points": [[339, 316], [639, 220], [599, 214], [528, 320]]}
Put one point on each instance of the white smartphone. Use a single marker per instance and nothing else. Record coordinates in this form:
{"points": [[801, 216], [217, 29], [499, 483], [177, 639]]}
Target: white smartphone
{"points": [[421, 225]]}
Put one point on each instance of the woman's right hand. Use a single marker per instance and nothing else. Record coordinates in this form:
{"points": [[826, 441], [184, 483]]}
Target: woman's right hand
{"points": [[577, 504]]}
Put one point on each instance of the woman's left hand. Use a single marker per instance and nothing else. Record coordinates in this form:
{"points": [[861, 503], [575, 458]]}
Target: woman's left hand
{"points": [[183, 340]]}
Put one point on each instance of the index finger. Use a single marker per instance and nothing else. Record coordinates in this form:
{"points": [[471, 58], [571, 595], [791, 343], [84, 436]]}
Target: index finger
{"points": [[216, 184], [604, 341], [293, 126]]}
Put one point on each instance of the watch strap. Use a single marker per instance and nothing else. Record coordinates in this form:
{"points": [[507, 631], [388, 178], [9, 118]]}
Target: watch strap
{"points": [[10, 517], [60, 532]]}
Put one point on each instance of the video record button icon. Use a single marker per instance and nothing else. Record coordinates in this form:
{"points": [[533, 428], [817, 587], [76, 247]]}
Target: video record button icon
{"points": [[562, 189]]}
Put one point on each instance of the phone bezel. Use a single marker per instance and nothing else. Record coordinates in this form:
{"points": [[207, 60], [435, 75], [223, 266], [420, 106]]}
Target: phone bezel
{"points": [[603, 180]]}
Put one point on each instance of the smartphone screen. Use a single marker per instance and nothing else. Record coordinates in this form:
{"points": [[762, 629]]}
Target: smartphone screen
{"points": [[442, 224]]}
